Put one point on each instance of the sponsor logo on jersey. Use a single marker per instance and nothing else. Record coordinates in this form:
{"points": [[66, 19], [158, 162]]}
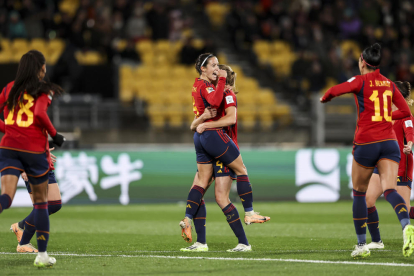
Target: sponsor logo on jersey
{"points": [[229, 99], [210, 89]]}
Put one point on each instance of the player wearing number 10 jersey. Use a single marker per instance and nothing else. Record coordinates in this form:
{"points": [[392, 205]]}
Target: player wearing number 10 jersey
{"points": [[375, 143]]}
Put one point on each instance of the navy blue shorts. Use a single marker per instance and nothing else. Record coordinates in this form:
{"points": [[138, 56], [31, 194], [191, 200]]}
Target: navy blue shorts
{"points": [[400, 180], [368, 155], [52, 180], [215, 144], [219, 170], [15, 162]]}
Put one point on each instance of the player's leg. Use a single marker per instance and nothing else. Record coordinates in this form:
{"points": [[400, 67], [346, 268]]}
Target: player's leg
{"points": [[228, 154], [54, 198], [373, 193], [361, 175], [222, 192], [388, 170], [8, 190], [199, 224]]}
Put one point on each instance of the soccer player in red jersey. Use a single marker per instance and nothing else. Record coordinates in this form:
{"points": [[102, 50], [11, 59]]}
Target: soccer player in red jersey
{"points": [[222, 175], [212, 144], [405, 136], [24, 145], [24, 229], [375, 143]]}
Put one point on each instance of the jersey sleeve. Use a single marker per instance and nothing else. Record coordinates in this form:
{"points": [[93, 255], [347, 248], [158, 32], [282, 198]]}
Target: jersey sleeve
{"points": [[408, 129], [399, 101], [229, 100], [353, 85], [214, 96], [40, 113]]}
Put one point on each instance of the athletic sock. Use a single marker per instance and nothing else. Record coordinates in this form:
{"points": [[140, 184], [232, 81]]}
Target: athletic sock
{"points": [[200, 222], [193, 201], [29, 228], [41, 219], [54, 206], [399, 206], [373, 222], [360, 214], [233, 219], [244, 189], [412, 213], [21, 223], [5, 202]]}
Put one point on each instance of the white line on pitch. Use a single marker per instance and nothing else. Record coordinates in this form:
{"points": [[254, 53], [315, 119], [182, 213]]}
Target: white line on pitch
{"points": [[224, 259]]}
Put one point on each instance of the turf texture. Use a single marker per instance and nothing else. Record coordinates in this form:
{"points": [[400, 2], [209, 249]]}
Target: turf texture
{"points": [[144, 239]]}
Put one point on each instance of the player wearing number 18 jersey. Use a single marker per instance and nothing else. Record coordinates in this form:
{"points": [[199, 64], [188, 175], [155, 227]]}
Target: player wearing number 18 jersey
{"points": [[375, 143], [23, 147]]}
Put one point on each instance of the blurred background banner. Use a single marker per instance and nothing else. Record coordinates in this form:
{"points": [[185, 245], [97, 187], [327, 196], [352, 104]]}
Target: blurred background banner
{"points": [[124, 177]]}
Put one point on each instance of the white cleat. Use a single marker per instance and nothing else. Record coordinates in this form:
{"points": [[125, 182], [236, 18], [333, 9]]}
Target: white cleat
{"points": [[360, 250], [196, 247], [376, 245], [241, 248], [43, 260]]}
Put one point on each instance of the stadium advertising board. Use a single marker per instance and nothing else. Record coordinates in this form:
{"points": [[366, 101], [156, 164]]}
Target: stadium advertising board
{"points": [[305, 175]]}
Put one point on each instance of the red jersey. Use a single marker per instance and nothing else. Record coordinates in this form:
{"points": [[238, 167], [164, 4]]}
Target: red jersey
{"points": [[374, 95], [404, 131], [206, 95], [26, 127], [230, 100]]}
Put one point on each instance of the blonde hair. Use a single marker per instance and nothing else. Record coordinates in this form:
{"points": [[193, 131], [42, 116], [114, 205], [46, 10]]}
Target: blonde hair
{"points": [[231, 76]]}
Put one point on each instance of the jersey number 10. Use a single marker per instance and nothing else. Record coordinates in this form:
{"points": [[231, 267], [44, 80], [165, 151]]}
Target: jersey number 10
{"points": [[24, 109], [376, 100]]}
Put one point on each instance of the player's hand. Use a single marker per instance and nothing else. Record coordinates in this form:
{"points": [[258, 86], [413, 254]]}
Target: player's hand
{"points": [[209, 113], [322, 100], [407, 148], [24, 176], [52, 156], [58, 139], [201, 128], [222, 73]]}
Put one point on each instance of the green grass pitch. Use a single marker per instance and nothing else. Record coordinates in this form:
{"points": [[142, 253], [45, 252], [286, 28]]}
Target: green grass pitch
{"points": [[145, 240]]}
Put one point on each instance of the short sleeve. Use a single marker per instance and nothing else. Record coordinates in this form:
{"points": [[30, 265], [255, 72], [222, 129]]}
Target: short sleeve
{"points": [[230, 100]]}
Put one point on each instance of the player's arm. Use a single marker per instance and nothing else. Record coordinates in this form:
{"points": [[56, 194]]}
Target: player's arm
{"points": [[403, 108], [353, 85], [228, 120], [408, 134], [208, 113], [40, 113], [214, 97]]}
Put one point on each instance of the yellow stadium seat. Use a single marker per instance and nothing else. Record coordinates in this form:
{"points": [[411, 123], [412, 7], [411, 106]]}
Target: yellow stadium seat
{"points": [[89, 58], [20, 45], [5, 44], [198, 43], [56, 45], [266, 122], [266, 97], [144, 47], [5, 56], [279, 47], [163, 46], [261, 47], [121, 44], [38, 44], [126, 95], [217, 12], [350, 45]]}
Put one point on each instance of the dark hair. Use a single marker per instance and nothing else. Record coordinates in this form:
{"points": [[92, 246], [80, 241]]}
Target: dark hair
{"points": [[202, 60], [231, 76], [405, 89], [27, 80], [372, 56]]}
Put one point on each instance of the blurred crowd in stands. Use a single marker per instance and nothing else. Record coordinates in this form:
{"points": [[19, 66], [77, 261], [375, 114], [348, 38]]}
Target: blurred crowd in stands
{"points": [[315, 30]]}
